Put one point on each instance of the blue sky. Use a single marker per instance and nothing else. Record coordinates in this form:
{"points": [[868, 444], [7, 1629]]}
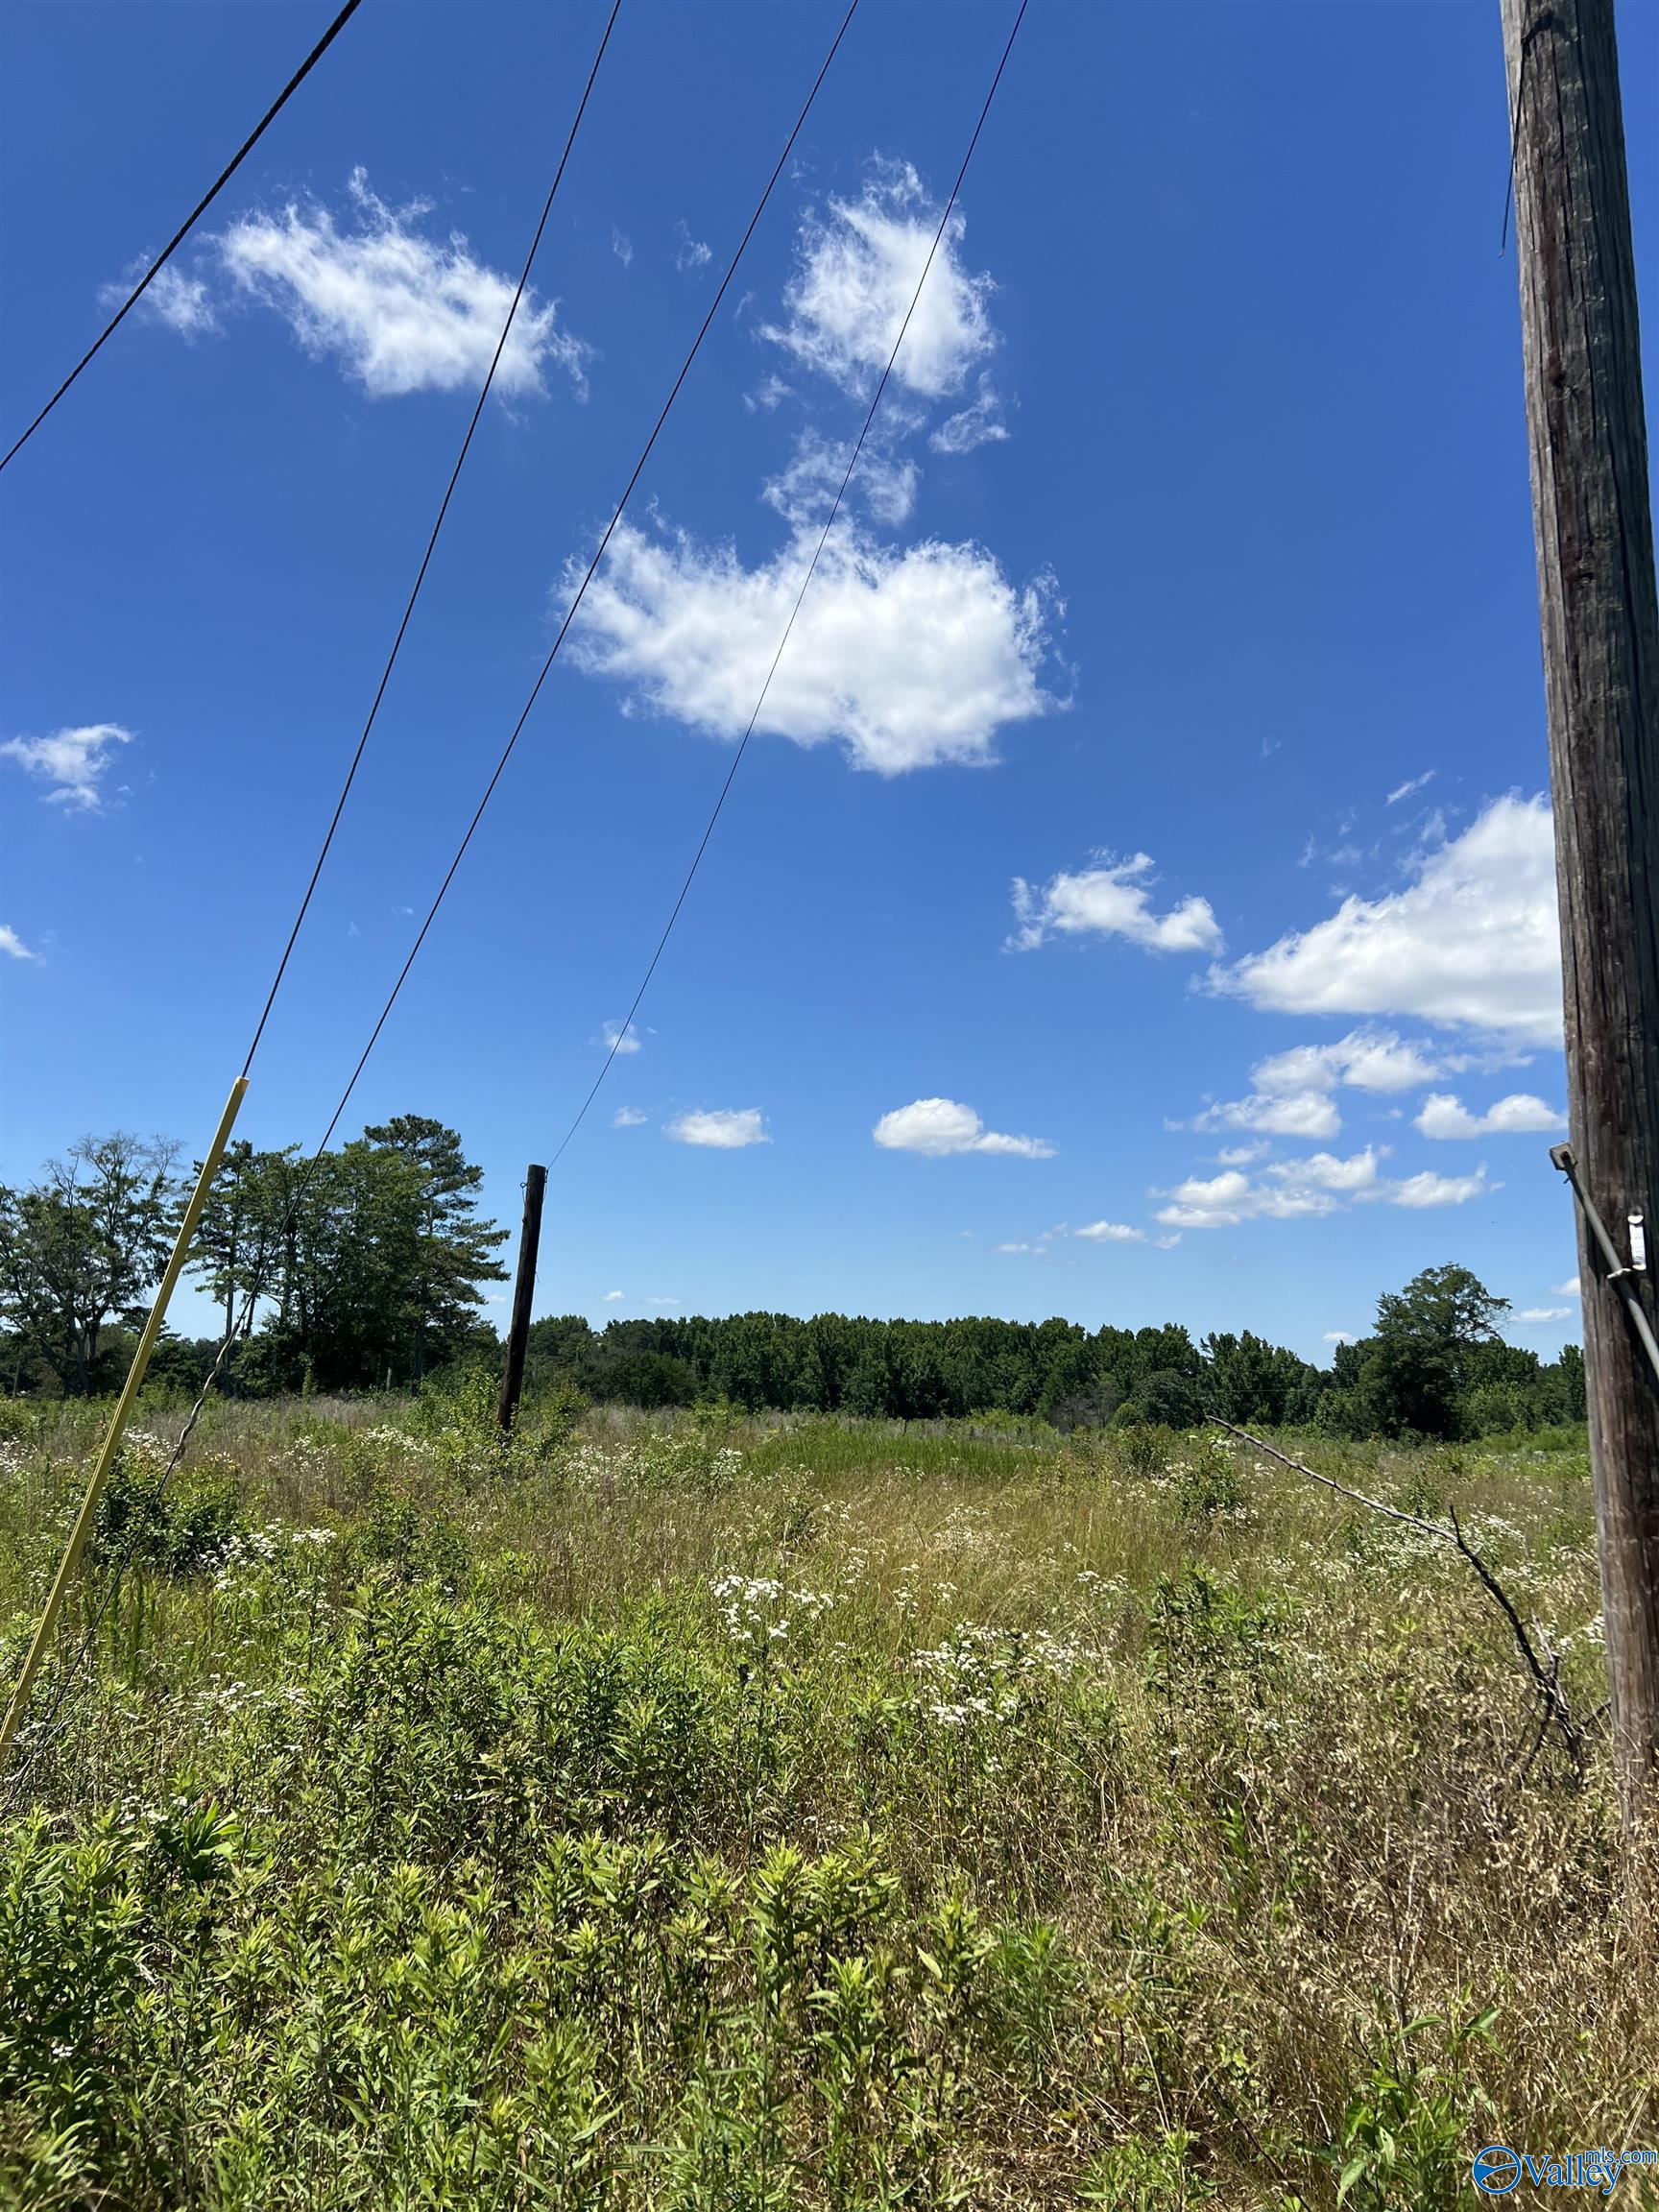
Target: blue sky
{"points": [[1137, 902]]}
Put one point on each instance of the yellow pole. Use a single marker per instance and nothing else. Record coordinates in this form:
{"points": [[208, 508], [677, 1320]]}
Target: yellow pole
{"points": [[84, 1520]]}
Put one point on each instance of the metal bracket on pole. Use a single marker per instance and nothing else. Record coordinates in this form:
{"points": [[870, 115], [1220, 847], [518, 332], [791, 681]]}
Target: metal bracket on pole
{"points": [[1621, 1274], [80, 1533]]}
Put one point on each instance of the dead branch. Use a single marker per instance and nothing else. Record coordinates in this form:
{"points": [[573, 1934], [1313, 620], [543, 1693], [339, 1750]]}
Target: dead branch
{"points": [[1555, 1710]]}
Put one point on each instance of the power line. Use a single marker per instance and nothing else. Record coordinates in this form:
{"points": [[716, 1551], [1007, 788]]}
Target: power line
{"points": [[431, 543], [587, 576], [193, 218], [51, 1723], [789, 626]]}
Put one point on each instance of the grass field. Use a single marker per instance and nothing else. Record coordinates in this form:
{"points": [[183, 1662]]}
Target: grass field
{"points": [[726, 1816]]}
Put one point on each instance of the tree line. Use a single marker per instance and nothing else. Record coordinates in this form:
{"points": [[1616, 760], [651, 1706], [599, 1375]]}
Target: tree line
{"points": [[367, 1271], [1436, 1365]]}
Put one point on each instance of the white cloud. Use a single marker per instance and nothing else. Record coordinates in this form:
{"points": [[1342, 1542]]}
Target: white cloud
{"points": [[1114, 899], [619, 1040], [628, 1118], [1570, 1288], [13, 946], [1533, 1315], [939, 1127], [623, 248], [1416, 783], [1319, 1183], [662, 1301], [1015, 1248], [1518, 1115], [612, 1296], [1471, 942], [1340, 1336], [1365, 1059], [726, 1130], [1112, 1232], [980, 424], [1212, 1202], [72, 761], [1429, 1190], [804, 490], [909, 659], [1324, 1172], [1292, 1089], [858, 265], [691, 253], [1313, 1185], [1308, 1114], [1240, 1155], [184, 303], [401, 311], [887, 487]]}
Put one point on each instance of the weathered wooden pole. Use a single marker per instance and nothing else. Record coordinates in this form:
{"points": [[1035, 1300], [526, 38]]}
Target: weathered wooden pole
{"points": [[1601, 629], [523, 1295]]}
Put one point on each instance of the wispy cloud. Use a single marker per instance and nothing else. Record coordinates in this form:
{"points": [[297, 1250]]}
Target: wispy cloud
{"points": [[622, 247], [858, 263], [629, 1117], [1110, 1232], [1534, 1317], [691, 253], [768, 395], [724, 1130], [399, 310], [940, 1127], [72, 763], [13, 946], [1114, 899], [1405, 790], [182, 302], [980, 424], [619, 1040], [805, 488]]}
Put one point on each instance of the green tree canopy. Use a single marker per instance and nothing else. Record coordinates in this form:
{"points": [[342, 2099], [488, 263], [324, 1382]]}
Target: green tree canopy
{"points": [[82, 1249]]}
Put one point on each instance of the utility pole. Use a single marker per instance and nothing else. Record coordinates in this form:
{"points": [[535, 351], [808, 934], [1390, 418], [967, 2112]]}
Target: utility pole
{"points": [[1601, 629], [523, 1296]]}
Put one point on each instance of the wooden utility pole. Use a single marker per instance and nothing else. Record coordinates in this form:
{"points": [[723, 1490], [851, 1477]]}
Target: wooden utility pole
{"points": [[523, 1295], [1601, 626]]}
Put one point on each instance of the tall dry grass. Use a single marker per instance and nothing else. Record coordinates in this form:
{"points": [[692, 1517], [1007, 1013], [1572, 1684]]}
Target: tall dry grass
{"points": [[711, 1814]]}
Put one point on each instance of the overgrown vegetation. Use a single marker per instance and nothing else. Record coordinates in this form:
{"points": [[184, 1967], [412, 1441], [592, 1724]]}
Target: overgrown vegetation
{"points": [[727, 1813]]}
